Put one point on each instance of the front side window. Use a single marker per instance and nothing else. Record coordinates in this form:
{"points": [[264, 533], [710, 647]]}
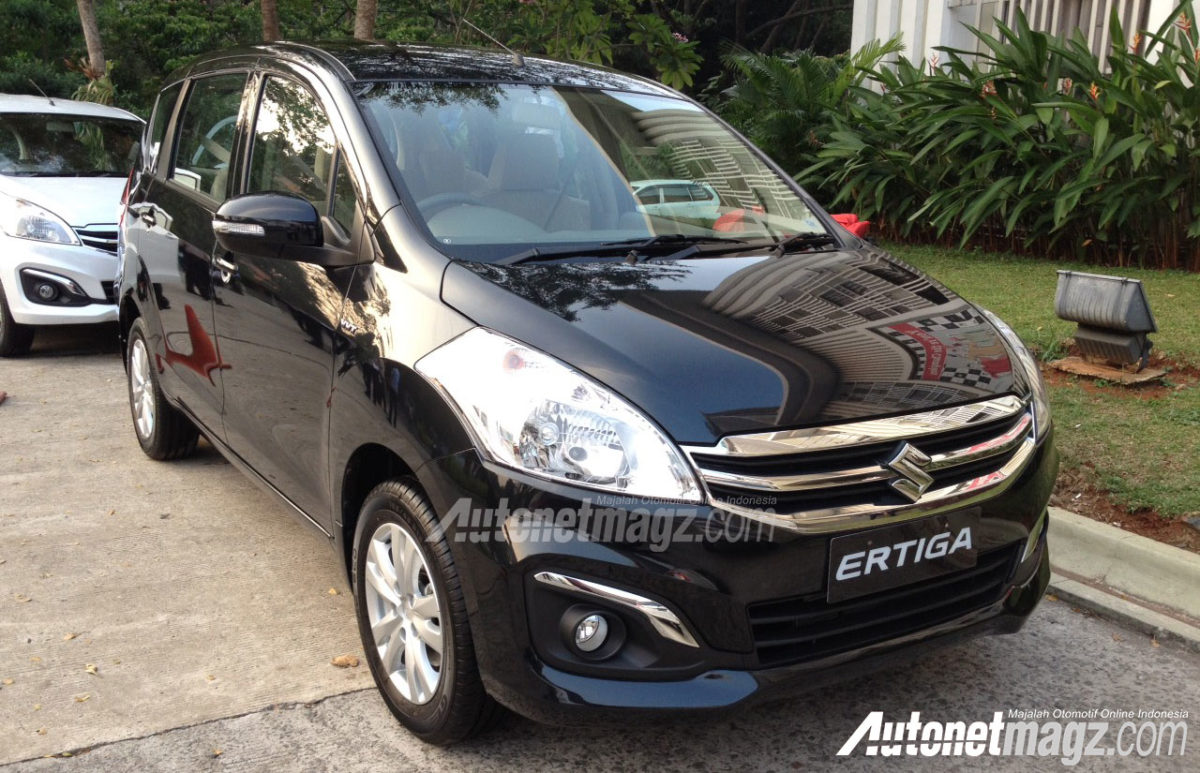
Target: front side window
{"points": [[293, 148], [52, 145], [498, 169], [207, 131]]}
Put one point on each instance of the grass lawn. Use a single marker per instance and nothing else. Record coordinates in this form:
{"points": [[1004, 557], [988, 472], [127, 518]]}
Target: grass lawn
{"points": [[1142, 446]]}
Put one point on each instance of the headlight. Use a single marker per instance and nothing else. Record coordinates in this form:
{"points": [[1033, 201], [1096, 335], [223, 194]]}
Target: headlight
{"points": [[532, 412], [26, 220], [1032, 373]]}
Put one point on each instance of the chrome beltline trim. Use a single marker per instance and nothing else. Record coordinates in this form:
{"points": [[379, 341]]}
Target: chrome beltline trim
{"points": [[956, 496], [907, 427], [665, 622]]}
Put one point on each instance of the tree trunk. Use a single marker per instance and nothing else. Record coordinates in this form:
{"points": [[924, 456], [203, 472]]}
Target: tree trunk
{"points": [[270, 21], [91, 36], [364, 19]]}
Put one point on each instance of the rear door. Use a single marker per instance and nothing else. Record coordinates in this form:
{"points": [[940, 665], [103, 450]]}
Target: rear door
{"points": [[275, 317], [173, 239]]}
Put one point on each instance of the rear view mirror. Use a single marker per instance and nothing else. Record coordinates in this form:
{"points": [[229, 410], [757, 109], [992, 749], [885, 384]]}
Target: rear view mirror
{"points": [[268, 225]]}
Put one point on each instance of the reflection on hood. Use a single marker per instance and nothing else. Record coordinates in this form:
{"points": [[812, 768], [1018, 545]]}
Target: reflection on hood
{"points": [[718, 346]]}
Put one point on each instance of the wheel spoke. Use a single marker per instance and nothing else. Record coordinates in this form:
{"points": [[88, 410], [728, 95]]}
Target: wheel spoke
{"points": [[378, 554], [403, 568], [412, 671], [385, 589], [385, 627], [425, 607], [395, 648], [431, 634]]}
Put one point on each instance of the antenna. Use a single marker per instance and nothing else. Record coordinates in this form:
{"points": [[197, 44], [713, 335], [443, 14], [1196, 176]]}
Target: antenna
{"points": [[518, 60], [33, 83]]}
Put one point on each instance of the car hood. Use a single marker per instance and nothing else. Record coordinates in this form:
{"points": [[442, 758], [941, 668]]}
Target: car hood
{"points": [[719, 346], [80, 201]]}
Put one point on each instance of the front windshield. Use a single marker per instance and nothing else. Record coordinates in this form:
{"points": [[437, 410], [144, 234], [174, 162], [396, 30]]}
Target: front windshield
{"points": [[36, 145], [498, 169]]}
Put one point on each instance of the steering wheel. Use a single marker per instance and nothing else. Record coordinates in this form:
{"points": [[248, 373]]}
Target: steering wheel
{"points": [[209, 143], [434, 204]]}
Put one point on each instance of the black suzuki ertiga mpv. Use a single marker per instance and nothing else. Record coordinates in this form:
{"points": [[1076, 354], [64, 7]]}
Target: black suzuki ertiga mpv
{"points": [[602, 412]]}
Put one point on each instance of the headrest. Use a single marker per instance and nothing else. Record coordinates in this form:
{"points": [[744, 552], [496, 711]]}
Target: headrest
{"points": [[525, 162]]}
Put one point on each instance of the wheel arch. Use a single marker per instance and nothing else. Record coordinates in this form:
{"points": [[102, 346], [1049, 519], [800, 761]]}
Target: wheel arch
{"points": [[369, 465]]}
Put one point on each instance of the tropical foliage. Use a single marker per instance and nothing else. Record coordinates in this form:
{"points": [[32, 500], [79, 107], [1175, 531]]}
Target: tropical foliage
{"points": [[42, 45], [787, 103], [1033, 146]]}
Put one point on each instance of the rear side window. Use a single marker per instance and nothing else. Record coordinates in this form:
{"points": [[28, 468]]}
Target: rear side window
{"points": [[676, 193], [649, 195], [206, 133], [158, 124], [293, 144]]}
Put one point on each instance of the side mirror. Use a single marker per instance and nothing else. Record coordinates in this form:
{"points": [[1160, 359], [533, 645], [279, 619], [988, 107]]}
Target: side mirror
{"points": [[276, 225]]}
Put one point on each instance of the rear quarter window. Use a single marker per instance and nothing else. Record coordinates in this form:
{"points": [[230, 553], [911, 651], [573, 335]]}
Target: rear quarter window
{"points": [[157, 130]]}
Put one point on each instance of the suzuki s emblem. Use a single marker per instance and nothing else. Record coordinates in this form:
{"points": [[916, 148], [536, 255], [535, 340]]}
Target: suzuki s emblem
{"points": [[909, 463]]}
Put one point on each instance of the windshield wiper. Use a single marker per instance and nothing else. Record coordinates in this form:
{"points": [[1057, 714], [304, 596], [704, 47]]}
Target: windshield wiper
{"points": [[802, 241], [537, 254], [634, 247]]}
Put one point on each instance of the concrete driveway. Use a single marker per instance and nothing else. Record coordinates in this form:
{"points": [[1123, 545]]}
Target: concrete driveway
{"points": [[206, 611], [192, 593]]}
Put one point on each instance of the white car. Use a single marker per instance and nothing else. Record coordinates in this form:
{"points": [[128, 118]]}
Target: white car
{"points": [[63, 166], [677, 198]]}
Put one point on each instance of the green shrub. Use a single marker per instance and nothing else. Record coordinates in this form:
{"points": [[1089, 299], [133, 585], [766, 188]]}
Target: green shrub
{"points": [[786, 103], [1031, 146]]}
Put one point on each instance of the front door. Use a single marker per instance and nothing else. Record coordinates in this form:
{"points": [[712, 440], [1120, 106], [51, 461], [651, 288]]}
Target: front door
{"points": [[275, 317], [173, 237]]}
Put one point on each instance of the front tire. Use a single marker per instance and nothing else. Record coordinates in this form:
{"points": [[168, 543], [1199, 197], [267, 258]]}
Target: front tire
{"points": [[15, 338], [413, 619], [162, 430]]}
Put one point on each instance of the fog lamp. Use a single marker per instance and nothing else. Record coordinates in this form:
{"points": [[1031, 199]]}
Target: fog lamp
{"points": [[46, 291], [591, 633]]}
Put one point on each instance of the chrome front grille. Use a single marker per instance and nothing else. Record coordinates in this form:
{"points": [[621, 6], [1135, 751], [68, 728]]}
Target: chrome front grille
{"points": [[102, 237], [847, 475]]}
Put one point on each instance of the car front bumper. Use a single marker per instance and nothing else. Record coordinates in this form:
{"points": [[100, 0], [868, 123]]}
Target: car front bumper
{"points": [[717, 585], [93, 270]]}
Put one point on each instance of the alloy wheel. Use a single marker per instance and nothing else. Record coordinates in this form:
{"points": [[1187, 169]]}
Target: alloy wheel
{"points": [[404, 613], [141, 389]]}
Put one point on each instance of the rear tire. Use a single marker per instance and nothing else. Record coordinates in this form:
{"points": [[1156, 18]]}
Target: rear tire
{"points": [[15, 338], [162, 430], [409, 598]]}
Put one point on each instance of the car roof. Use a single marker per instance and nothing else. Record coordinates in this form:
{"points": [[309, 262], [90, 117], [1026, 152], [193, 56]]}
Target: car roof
{"points": [[353, 60], [27, 103], [672, 181]]}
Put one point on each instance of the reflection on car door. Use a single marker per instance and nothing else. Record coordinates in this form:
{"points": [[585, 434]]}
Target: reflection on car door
{"points": [[175, 241], [275, 317]]}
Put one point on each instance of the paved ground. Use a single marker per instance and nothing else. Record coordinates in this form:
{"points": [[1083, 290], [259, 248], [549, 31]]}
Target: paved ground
{"points": [[190, 590], [212, 629]]}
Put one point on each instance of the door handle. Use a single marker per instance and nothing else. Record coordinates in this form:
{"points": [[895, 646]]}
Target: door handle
{"points": [[145, 213], [224, 265], [225, 268]]}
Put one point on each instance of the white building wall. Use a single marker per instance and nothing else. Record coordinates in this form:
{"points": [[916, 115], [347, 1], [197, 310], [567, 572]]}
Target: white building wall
{"points": [[927, 24]]}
